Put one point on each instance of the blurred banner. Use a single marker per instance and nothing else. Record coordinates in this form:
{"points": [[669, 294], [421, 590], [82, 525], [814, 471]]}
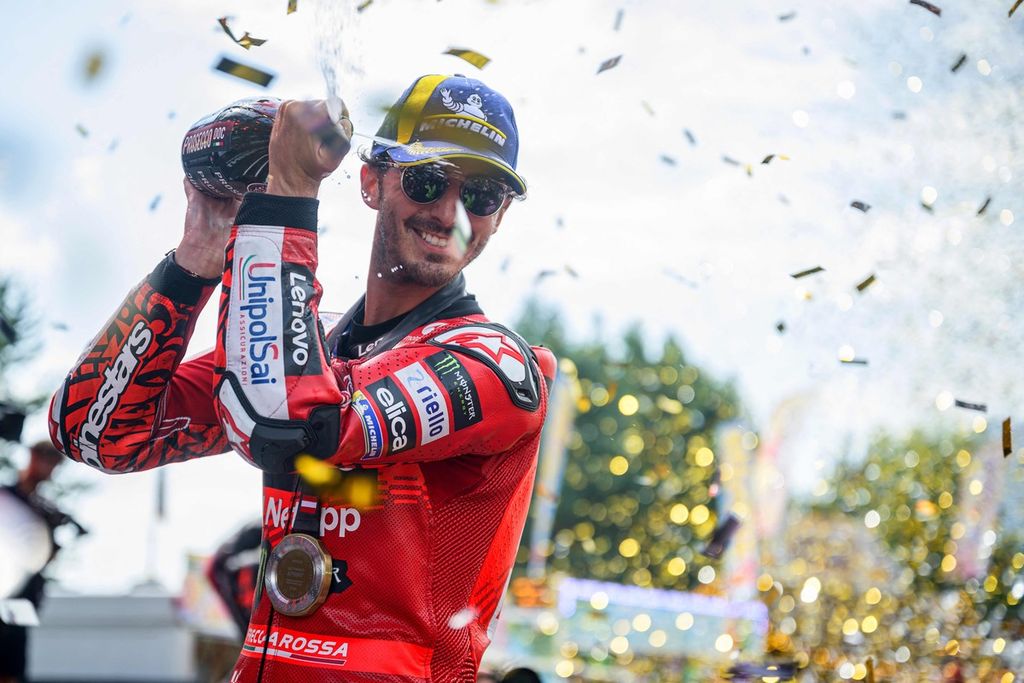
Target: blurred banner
{"points": [[741, 563], [554, 450], [980, 492]]}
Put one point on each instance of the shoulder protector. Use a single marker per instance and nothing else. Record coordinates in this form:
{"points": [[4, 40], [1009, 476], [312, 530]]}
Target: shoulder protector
{"points": [[504, 352]]}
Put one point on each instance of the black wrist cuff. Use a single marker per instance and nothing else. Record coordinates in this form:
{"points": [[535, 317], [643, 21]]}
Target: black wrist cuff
{"points": [[174, 282], [278, 210]]}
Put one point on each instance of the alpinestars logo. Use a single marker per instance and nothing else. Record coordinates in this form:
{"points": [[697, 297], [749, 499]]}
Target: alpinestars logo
{"points": [[472, 106], [491, 343], [115, 381]]}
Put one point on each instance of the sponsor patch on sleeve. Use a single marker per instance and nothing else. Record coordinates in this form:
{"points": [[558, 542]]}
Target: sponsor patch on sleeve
{"points": [[372, 436], [399, 419], [455, 378], [429, 401]]}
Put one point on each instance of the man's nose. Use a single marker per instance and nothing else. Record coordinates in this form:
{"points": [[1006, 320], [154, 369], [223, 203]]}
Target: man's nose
{"points": [[444, 209]]}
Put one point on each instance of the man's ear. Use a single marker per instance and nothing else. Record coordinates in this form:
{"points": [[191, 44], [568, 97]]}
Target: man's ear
{"points": [[369, 180]]}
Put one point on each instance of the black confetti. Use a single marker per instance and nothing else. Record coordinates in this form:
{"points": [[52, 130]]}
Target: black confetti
{"points": [[244, 72], [984, 206], [609, 64], [155, 203], [854, 361], [805, 273], [1014, 8], [722, 537], [618, 20], [867, 282], [928, 6], [860, 205], [667, 160], [980, 407], [788, 16], [689, 136], [1007, 438], [959, 62]]}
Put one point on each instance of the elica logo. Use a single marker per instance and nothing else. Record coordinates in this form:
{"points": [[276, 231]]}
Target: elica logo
{"points": [[398, 420], [429, 402], [115, 381], [297, 284], [259, 345]]}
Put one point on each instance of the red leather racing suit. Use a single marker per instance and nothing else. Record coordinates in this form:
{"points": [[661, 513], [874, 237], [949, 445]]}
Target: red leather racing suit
{"points": [[446, 418]]}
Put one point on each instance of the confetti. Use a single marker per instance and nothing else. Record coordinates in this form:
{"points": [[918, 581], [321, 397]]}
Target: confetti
{"points": [[899, 115], [357, 487], [768, 159], [860, 205], [689, 136], [113, 145], [869, 665], [805, 273], [462, 618], [928, 6], [668, 160], [245, 41], [609, 64], [93, 67], [780, 327], [572, 271], [787, 17], [984, 206], [244, 72], [959, 62], [866, 282], [541, 275], [928, 207], [730, 160], [82, 130], [293, 5], [647, 107], [1014, 8], [722, 537], [475, 58], [854, 361], [1007, 438], [980, 407], [363, 5], [618, 19], [155, 203]]}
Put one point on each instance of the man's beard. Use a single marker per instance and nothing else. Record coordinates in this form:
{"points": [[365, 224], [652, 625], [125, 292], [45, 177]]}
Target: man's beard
{"points": [[431, 270]]}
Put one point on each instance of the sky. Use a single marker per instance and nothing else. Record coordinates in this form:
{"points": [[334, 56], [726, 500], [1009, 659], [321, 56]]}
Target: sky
{"points": [[859, 96]]}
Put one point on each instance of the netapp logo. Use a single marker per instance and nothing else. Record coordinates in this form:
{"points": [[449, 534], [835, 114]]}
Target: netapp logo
{"points": [[115, 381], [398, 419], [429, 402]]}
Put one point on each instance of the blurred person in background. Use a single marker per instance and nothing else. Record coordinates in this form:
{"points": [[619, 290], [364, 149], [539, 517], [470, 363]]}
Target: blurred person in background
{"points": [[42, 461]]}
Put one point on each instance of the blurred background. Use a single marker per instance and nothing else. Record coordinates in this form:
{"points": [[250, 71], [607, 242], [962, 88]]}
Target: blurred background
{"points": [[774, 244]]}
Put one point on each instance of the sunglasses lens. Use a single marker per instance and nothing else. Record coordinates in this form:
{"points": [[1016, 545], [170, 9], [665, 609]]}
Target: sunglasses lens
{"points": [[424, 184], [482, 196]]}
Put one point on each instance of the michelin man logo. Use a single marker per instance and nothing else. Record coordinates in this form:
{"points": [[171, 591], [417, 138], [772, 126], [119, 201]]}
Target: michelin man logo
{"points": [[472, 106]]}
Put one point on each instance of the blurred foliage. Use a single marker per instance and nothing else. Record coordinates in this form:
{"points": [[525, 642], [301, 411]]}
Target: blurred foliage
{"points": [[903, 557], [638, 500], [16, 328]]}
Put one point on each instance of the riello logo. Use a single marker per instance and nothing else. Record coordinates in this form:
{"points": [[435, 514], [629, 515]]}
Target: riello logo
{"points": [[258, 344]]}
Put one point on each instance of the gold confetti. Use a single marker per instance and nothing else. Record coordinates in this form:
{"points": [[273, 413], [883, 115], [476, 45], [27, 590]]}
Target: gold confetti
{"points": [[1014, 8], [94, 63], [984, 206], [293, 5], [780, 157], [357, 487], [572, 271], [1007, 438], [647, 107], [854, 361], [857, 204], [866, 282], [474, 58], [363, 5], [959, 62], [609, 64], [869, 666], [928, 6], [245, 41], [805, 273], [244, 72]]}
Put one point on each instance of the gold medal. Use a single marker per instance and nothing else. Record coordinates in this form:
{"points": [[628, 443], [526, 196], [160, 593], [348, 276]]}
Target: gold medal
{"points": [[298, 575]]}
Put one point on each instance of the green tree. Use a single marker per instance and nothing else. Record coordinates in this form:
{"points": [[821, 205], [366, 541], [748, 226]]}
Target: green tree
{"points": [[638, 500], [16, 326]]}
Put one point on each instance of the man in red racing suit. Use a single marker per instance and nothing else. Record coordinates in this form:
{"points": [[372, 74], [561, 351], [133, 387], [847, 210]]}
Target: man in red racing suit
{"points": [[414, 387]]}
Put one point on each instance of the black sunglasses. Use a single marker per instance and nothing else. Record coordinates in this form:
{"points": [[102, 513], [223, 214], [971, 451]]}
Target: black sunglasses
{"points": [[481, 195]]}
